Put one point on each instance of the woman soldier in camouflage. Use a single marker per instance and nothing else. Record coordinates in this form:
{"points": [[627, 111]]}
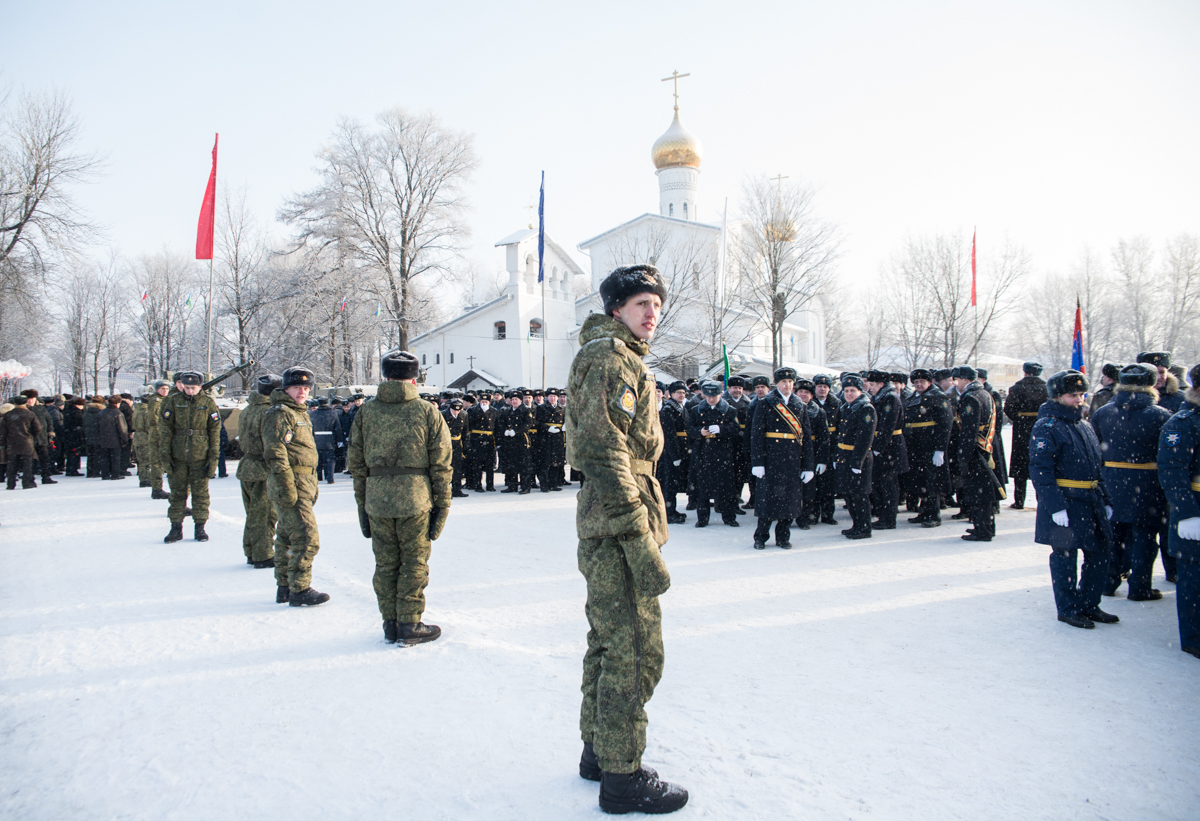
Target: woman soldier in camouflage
{"points": [[614, 438]]}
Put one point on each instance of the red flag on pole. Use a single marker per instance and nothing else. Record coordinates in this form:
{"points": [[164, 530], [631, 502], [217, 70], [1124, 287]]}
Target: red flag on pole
{"points": [[973, 268], [208, 212]]}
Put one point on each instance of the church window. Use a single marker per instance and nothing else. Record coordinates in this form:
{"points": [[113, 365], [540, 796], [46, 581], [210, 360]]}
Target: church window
{"points": [[535, 329], [685, 216], [437, 359], [452, 357], [422, 359], [498, 331], [670, 209]]}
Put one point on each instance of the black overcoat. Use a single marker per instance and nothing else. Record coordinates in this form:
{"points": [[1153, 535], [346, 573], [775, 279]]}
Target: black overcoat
{"points": [[713, 457], [774, 446]]}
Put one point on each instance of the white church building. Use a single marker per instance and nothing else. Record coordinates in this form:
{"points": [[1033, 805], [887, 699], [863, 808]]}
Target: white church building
{"points": [[523, 338]]}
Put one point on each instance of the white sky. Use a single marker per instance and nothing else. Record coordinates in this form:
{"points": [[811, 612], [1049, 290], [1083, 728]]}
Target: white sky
{"points": [[1056, 123]]}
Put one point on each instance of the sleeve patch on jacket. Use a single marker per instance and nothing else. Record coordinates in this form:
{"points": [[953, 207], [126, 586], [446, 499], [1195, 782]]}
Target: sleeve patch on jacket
{"points": [[628, 401], [1040, 444], [1172, 439], [287, 437]]}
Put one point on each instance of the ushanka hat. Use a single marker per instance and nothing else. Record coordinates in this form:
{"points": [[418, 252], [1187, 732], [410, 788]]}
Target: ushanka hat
{"points": [[629, 281], [1159, 359], [1139, 375], [963, 372], [1065, 382], [399, 365], [785, 373], [710, 388], [299, 376], [189, 378], [852, 380], [1032, 368], [921, 373], [877, 376]]}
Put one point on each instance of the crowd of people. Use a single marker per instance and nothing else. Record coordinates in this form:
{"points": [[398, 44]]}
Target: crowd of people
{"points": [[1116, 472]]}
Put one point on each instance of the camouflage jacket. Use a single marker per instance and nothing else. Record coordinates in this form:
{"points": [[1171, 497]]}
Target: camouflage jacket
{"points": [[139, 419], [287, 437], [153, 408], [251, 468], [399, 430], [189, 430], [613, 434]]}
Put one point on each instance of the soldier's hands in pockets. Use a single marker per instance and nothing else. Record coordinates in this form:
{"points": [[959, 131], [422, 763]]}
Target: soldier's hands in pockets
{"points": [[646, 564]]}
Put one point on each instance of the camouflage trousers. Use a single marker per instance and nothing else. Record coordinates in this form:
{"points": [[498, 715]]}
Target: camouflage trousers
{"points": [[182, 478], [401, 566], [259, 531], [296, 538], [141, 449], [624, 658]]}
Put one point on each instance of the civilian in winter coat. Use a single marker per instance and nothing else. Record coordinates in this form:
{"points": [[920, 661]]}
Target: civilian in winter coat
{"points": [[1178, 469], [42, 441], [19, 429], [1073, 505], [126, 408], [1128, 429], [91, 434], [1021, 407], [781, 459], [715, 436], [113, 437]]}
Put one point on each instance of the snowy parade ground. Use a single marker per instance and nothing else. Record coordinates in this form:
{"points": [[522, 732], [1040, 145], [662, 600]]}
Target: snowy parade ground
{"points": [[909, 676]]}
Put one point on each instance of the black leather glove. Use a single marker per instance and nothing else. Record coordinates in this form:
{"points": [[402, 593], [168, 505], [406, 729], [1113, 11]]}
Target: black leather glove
{"points": [[364, 521], [437, 521]]}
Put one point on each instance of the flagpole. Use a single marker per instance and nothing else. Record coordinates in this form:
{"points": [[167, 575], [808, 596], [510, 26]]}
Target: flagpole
{"points": [[974, 298], [542, 268], [208, 357]]}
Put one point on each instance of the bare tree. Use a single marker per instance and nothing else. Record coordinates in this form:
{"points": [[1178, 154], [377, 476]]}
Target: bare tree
{"points": [[784, 251], [393, 197], [38, 165], [1181, 281], [167, 279], [1133, 262]]}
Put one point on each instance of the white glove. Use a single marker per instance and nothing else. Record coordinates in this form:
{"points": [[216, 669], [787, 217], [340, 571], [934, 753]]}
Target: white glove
{"points": [[1108, 510], [939, 458], [510, 433], [714, 428], [806, 476], [554, 429], [1061, 519], [758, 472], [875, 452], [820, 469], [677, 462], [1190, 529], [855, 470]]}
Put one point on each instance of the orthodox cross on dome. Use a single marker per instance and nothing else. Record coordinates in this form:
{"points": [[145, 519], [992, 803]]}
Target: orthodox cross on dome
{"points": [[675, 77], [778, 180]]}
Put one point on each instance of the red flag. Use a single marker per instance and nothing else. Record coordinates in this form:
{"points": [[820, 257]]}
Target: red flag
{"points": [[208, 212], [972, 268], [1077, 340]]}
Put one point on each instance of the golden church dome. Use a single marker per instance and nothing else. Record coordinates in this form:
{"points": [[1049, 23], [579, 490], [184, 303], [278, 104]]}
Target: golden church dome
{"points": [[677, 147]]}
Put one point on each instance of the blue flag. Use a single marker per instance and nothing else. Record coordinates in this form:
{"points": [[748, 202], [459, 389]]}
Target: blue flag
{"points": [[542, 229]]}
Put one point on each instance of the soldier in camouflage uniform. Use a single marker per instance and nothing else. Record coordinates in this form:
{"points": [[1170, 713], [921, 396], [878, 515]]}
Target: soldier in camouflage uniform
{"points": [[141, 446], [259, 531], [154, 465], [400, 457], [189, 438], [614, 437], [290, 456]]}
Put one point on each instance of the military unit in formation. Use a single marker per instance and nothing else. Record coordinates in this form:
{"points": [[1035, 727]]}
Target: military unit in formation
{"points": [[1117, 478]]}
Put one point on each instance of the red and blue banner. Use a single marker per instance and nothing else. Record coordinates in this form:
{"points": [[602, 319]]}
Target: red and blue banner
{"points": [[1077, 343]]}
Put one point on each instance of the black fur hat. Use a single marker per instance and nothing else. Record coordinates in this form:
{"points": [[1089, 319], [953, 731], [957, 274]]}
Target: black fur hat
{"points": [[963, 372], [760, 380], [852, 380], [20, 400], [1159, 359], [896, 376], [189, 378], [322, 401], [1065, 382], [823, 379], [1111, 370], [1194, 376], [981, 373], [399, 365], [737, 382], [1032, 368], [942, 373], [269, 382], [785, 373], [875, 375], [677, 385], [629, 281], [805, 385], [1141, 375], [710, 388], [921, 373], [299, 376]]}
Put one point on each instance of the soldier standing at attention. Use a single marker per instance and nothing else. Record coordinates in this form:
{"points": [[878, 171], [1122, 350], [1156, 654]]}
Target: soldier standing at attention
{"points": [[1108, 382], [1073, 506], [550, 422], [975, 451], [928, 420], [888, 450], [821, 443], [614, 438], [673, 466], [481, 446], [153, 415], [1021, 408], [258, 535], [1178, 469], [189, 437], [781, 455], [715, 437], [290, 456], [827, 481], [856, 433], [400, 458], [456, 423]]}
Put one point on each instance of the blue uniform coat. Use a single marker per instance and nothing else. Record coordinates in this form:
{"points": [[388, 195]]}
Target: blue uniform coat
{"points": [[1063, 446], [1128, 429]]}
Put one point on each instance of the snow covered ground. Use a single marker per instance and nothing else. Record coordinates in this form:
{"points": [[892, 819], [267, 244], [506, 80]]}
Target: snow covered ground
{"points": [[913, 675]]}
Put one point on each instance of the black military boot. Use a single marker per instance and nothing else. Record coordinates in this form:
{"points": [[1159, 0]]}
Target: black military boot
{"points": [[390, 630], [640, 791], [176, 534], [307, 598], [411, 633], [589, 767], [1098, 615], [282, 594], [159, 494], [46, 480], [200, 535], [259, 565]]}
